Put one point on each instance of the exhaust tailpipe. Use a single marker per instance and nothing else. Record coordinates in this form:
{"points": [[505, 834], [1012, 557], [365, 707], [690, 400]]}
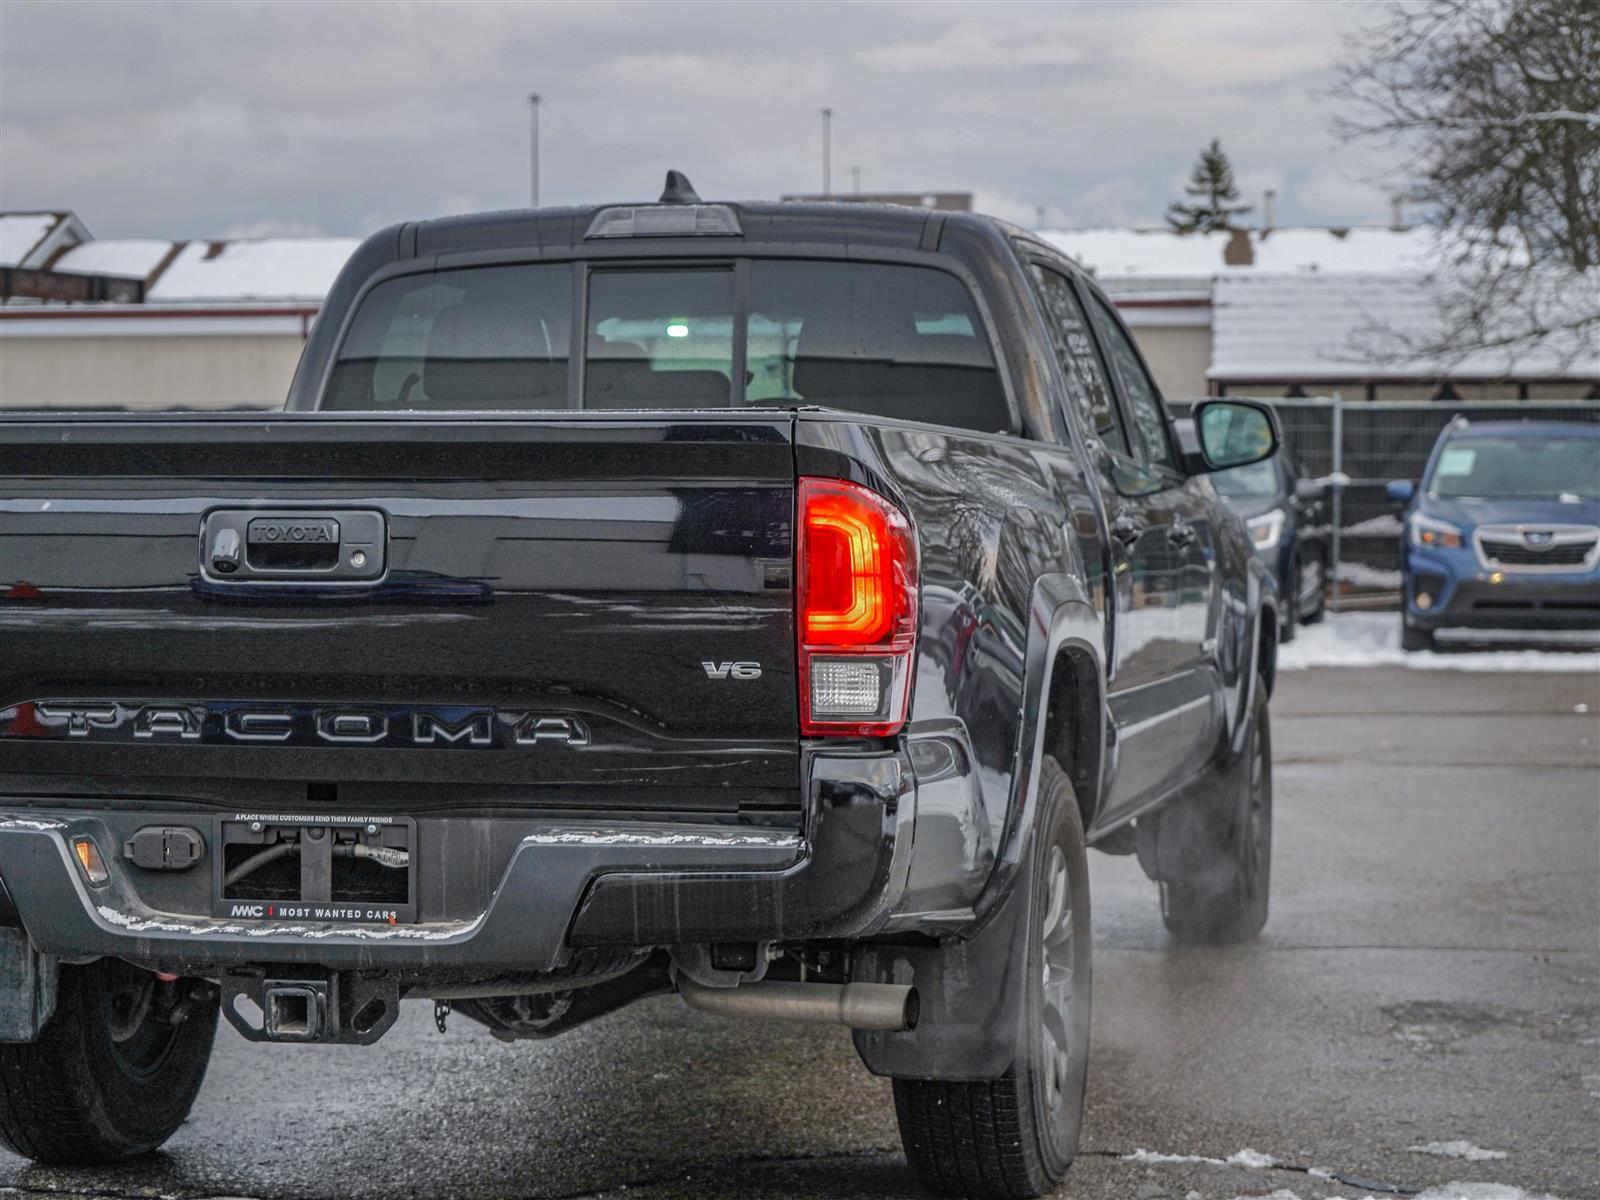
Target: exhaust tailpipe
{"points": [[858, 1005]]}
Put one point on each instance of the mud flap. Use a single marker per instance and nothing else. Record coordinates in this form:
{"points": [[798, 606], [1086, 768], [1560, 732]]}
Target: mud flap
{"points": [[1188, 837], [27, 988], [972, 999]]}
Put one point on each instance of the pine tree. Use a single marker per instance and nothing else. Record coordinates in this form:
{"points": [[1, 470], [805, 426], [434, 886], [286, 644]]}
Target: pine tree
{"points": [[1211, 183]]}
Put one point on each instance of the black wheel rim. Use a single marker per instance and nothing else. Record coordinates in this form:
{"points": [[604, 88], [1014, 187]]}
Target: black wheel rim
{"points": [[1058, 960], [136, 1024]]}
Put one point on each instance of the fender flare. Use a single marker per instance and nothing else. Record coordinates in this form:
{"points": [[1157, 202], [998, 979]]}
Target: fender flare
{"points": [[1060, 616], [1261, 605]]}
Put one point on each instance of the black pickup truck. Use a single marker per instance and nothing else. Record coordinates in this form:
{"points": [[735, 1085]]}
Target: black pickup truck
{"points": [[762, 602]]}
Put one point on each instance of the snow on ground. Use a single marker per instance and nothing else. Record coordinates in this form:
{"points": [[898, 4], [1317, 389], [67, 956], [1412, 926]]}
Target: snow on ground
{"points": [[1244, 1158], [1373, 640], [1256, 1160], [1382, 525], [1457, 1149], [1445, 1191], [1363, 576]]}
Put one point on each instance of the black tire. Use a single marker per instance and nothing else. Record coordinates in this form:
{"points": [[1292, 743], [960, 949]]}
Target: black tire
{"points": [[1319, 607], [1289, 604], [1413, 639], [1016, 1136], [1220, 893], [116, 1070]]}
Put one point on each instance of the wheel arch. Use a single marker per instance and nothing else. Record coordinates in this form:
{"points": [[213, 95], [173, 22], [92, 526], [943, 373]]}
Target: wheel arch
{"points": [[1256, 639], [1075, 724]]}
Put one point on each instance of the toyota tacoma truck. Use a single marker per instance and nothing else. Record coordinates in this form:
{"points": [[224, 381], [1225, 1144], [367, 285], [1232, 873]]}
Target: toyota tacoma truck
{"points": [[765, 603]]}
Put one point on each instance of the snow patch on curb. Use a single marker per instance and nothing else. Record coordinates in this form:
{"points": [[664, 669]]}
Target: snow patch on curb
{"points": [[1251, 1158], [1457, 1149], [1447, 1191], [1247, 1157], [1373, 640]]}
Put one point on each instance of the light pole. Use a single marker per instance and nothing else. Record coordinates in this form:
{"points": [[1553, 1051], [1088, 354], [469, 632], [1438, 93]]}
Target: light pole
{"points": [[827, 152], [533, 105], [855, 180]]}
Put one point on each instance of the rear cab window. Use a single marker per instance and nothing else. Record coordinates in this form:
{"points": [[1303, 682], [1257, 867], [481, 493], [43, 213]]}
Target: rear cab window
{"points": [[887, 340], [474, 338]]}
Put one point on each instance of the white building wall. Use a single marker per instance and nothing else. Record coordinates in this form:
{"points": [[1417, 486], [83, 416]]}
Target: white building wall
{"points": [[183, 371], [1178, 356]]}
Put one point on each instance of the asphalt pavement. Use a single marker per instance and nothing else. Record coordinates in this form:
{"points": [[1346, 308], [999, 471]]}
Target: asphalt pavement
{"points": [[1430, 976]]}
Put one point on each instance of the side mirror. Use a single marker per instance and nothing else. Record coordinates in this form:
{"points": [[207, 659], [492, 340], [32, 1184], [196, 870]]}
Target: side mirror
{"points": [[1232, 433], [1399, 491]]}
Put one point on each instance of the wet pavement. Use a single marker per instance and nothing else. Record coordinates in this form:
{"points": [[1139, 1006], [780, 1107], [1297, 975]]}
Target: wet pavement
{"points": [[1430, 975]]}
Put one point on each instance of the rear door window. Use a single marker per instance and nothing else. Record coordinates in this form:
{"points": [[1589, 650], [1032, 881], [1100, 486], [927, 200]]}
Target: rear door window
{"points": [[890, 341], [476, 338], [1080, 362], [1150, 432]]}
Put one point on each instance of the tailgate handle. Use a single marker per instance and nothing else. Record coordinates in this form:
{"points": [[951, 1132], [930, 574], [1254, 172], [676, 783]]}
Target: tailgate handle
{"points": [[347, 545]]}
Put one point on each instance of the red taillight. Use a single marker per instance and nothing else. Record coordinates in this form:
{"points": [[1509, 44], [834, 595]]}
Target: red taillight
{"points": [[857, 609]]}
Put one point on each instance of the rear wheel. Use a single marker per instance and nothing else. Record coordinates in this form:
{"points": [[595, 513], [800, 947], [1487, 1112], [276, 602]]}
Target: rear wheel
{"points": [[1219, 891], [116, 1070], [1016, 1136]]}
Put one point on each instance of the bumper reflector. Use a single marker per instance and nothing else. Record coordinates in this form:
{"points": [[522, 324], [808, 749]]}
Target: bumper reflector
{"points": [[94, 868]]}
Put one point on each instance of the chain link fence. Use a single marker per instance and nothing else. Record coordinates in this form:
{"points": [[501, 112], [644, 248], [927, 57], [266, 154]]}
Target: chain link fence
{"points": [[1371, 442]]}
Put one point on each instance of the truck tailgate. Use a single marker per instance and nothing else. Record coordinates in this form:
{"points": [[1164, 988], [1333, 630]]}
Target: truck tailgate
{"points": [[570, 612]]}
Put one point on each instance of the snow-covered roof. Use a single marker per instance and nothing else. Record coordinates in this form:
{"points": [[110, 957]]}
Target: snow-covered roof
{"points": [[23, 233], [1361, 249], [1276, 327], [1160, 252], [1110, 252], [263, 269], [132, 258]]}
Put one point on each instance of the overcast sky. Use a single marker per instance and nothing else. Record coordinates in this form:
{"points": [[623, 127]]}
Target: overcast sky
{"points": [[239, 119]]}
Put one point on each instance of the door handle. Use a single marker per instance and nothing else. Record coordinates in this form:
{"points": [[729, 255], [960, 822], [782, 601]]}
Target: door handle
{"points": [[1125, 529], [1180, 533], [293, 545]]}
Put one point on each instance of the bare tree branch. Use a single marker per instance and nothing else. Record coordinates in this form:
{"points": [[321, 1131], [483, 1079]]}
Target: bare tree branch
{"points": [[1495, 105]]}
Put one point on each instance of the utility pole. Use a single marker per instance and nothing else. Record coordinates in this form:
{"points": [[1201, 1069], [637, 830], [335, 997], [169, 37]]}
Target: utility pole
{"points": [[855, 181], [827, 152], [533, 105], [1038, 216]]}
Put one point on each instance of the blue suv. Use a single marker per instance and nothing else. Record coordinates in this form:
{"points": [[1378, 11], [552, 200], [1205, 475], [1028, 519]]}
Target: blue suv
{"points": [[1501, 543]]}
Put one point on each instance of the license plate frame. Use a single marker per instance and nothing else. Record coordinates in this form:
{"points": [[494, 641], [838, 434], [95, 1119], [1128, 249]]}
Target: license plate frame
{"points": [[322, 891]]}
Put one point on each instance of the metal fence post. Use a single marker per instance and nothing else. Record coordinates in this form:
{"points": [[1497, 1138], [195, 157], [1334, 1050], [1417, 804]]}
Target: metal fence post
{"points": [[1337, 468]]}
